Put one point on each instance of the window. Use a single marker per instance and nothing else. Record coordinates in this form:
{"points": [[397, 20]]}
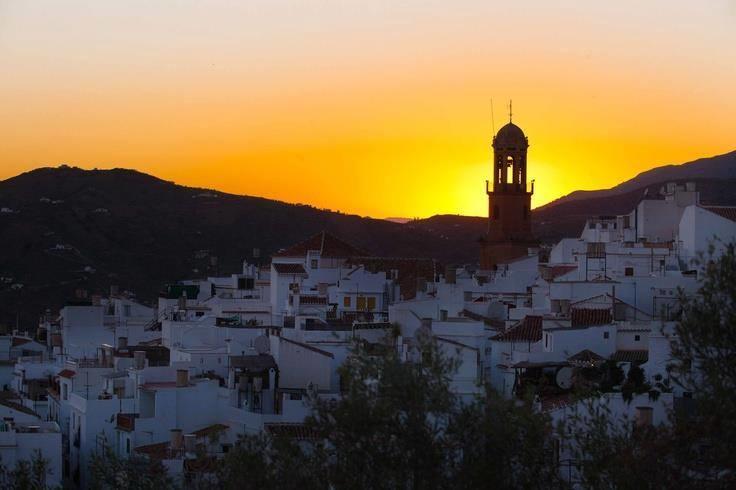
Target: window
{"points": [[509, 169], [371, 303], [591, 225], [346, 301], [637, 338], [127, 446], [606, 335], [604, 226], [314, 264], [629, 271], [246, 283], [361, 303], [546, 341]]}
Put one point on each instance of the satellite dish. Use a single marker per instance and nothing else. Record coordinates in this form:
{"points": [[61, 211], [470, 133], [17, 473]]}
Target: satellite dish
{"points": [[261, 344], [563, 378]]}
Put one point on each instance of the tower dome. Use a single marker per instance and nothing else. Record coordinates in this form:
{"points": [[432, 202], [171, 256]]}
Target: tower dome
{"points": [[510, 136]]}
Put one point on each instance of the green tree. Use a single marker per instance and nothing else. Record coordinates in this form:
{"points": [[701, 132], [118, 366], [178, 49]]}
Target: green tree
{"points": [[26, 474], [107, 471], [704, 352], [388, 430], [502, 444], [610, 452], [696, 449], [398, 425], [266, 463]]}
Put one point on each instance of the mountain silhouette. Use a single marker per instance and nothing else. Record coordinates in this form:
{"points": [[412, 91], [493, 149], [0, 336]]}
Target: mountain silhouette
{"points": [[66, 229]]}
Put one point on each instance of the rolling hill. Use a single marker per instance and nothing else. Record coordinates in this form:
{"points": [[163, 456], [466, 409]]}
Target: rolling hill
{"points": [[65, 228]]}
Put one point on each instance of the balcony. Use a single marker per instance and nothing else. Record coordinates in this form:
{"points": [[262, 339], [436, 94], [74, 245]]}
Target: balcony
{"points": [[126, 421]]}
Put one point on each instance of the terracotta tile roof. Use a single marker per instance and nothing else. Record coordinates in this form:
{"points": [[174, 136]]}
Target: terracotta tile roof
{"points": [[586, 358], [630, 356], [590, 316], [20, 341], [67, 373], [728, 212], [18, 407], [160, 450], [289, 268], [210, 430], [299, 432], [527, 330], [327, 244]]}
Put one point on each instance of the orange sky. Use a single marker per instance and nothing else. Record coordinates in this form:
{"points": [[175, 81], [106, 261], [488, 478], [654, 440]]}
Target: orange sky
{"points": [[378, 108]]}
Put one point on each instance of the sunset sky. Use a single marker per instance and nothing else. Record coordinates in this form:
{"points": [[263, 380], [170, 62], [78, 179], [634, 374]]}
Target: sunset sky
{"points": [[380, 108]]}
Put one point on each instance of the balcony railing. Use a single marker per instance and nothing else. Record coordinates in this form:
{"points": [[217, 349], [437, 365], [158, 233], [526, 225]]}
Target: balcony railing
{"points": [[503, 187]]}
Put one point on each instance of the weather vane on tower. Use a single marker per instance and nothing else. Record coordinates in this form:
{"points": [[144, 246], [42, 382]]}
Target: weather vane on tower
{"points": [[510, 111]]}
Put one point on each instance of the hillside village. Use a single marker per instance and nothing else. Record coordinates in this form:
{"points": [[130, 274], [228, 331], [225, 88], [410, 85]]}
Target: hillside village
{"points": [[244, 353]]}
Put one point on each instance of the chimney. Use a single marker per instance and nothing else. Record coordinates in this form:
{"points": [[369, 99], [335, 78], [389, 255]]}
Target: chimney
{"points": [[450, 274], [177, 440], [190, 443], [139, 360], [122, 342], [182, 378]]}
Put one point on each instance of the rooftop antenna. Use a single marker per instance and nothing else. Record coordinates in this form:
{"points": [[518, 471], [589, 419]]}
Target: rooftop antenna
{"points": [[510, 111], [493, 122]]}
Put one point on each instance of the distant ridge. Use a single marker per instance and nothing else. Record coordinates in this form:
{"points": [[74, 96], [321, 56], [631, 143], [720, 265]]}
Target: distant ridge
{"points": [[716, 167], [70, 229]]}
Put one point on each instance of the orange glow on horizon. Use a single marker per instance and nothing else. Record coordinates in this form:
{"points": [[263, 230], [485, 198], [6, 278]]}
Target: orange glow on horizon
{"points": [[381, 110]]}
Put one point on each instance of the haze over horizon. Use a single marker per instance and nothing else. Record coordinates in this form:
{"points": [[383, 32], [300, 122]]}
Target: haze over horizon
{"points": [[380, 109]]}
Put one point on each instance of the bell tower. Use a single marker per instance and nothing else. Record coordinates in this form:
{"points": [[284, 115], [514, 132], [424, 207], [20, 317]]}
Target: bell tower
{"points": [[509, 200]]}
